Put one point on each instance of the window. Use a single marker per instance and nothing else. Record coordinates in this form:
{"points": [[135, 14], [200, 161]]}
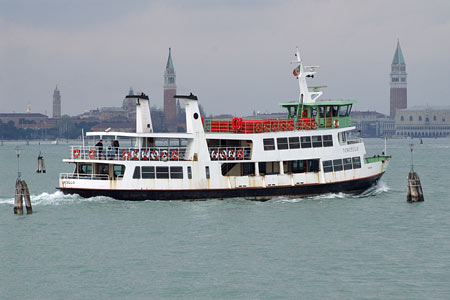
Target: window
{"points": [[335, 110], [137, 173], [85, 169], [118, 170], [176, 172], [294, 142], [356, 162], [305, 141], [321, 111], [269, 168], [207, 171], [269, 144], [282, 143], [327, 141], [342, 137], [395, 79], [189, 169], [337, 165], [162, 172], [328, 111], [402, 118], [434, 118], [343, 111], [347, 163], [248, 169], [427, 119], [403, 79], [410, 118], [327, 166], [420, 118], [148, 172], [317, 141], [313, 111]]}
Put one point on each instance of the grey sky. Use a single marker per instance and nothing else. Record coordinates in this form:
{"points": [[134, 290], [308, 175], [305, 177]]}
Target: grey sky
{"points": [[235, 55]]}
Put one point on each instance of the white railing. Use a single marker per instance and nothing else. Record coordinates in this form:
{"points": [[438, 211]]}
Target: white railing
{"points": [[229, 153], [132, 153], [85, 176]]}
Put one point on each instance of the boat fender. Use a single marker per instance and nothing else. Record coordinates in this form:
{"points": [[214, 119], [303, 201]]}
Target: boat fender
{"points": [[240, 154], [155, 154], [76, 153], [91, 153], [174, 154]]}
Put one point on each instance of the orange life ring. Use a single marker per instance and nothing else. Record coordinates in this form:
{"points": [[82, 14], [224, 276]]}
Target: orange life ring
{"points": [[76, 153], [223, 154], [258, 127], [125, 154], [307, 126], [174, 154], [91, 153], [240, 154], [155, 154], [144, 154], [164, 154], [214, 154], [135, 154], [231, 154], [299, 125], [314, 125], [336, 123]]}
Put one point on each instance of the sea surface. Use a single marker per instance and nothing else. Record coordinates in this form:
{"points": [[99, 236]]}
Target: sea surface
{"points": [[336, 246]]}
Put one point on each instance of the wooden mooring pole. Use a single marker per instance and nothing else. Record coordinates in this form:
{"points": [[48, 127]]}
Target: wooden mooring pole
{"points": [[415, 192], [22, 192]]}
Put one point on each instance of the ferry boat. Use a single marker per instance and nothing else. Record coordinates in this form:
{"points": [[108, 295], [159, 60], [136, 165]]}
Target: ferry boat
{"points": [[309, 152]]}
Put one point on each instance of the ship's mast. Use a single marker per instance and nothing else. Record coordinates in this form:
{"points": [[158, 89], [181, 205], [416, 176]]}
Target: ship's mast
{"points": [[305, 96]]}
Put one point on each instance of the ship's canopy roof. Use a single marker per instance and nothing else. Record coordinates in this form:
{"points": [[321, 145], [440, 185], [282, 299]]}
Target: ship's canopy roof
{"points": [[319, 103]]}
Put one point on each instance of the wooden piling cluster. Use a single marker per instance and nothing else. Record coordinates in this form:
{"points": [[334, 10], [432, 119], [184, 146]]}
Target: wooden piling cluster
{"points": [[22, 193], [415, 193]]}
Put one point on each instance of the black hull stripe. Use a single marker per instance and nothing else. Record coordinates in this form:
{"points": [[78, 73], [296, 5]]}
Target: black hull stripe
{"points": [[351, 186]]}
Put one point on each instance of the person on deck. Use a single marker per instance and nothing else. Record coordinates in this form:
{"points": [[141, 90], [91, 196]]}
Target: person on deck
{"points": [[99, 146]]}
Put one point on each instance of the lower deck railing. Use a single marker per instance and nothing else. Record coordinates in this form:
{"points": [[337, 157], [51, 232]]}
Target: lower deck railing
{"points": [[139, 154]]}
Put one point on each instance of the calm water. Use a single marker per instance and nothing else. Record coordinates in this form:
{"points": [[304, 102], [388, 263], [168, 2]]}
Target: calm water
{"points": [[329, 247]]}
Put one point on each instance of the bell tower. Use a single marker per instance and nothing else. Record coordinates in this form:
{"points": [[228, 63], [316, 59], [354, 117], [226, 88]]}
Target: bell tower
{"points": [[170, 90], [56, 104], [398, 94]]}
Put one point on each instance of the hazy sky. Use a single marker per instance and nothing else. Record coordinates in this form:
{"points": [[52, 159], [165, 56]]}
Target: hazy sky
{"points": [[235, 55]]}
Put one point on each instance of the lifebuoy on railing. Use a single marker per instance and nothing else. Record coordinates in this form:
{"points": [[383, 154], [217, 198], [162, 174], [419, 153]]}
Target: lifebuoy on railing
{"points": [[214, 154], [336, 123], [240, 154], [76, 153], [91, 153], [231, 154], [223, 154], [135, 154], [144, 154], [155, 154], [126, 154], [174, 154], [164, 154]]}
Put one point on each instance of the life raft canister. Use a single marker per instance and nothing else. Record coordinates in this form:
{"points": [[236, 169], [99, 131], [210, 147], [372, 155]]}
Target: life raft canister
{"points": [[76, 153], [91, 153]]}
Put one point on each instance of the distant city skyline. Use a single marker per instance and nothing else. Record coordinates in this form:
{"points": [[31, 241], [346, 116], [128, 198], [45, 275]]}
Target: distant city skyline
{"points": [[235, 56]]}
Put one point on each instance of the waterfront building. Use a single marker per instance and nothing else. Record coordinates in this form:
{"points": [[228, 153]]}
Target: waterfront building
{"points": [[170, 90], [398, 83], [372, 124], [423, 121], [56, 104], [27, 120]]}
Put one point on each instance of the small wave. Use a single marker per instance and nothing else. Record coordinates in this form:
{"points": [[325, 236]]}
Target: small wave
{"points": [[56, 198], [380, 188], [316, 197]]}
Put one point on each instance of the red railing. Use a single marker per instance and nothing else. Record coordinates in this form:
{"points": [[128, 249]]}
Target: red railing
{"points": [[237, 125]]}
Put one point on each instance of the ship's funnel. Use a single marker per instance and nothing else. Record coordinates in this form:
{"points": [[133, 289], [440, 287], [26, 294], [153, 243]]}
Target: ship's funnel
{"points": [[143, 117]]}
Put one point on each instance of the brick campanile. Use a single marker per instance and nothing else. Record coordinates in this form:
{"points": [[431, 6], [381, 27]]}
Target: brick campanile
{"points": [[170, 90], [398, 98]]}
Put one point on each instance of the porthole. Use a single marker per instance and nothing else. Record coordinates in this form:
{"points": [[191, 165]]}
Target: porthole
{"points": [[196, 116]]}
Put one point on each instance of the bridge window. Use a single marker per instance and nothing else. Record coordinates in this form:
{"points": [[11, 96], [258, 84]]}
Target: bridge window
{"points": [[294, 142], [148, 172], [176, 172], [162, 172], [282, 143], [306, 141], [317, 141], [269, 144], [327, 141]]}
